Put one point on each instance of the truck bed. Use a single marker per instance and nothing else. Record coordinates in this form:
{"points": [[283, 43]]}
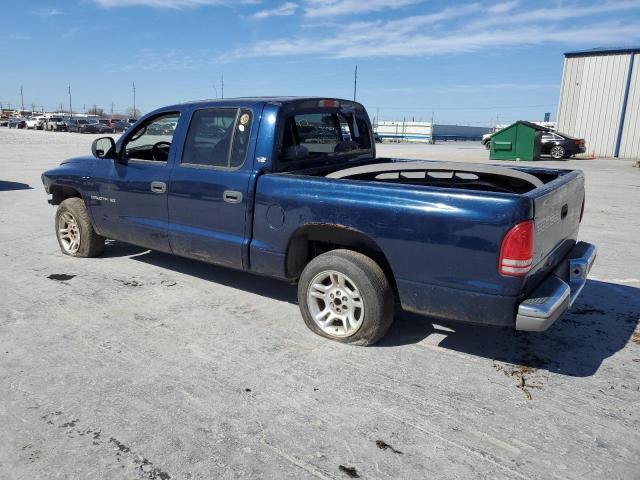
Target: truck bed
{"points": [[439, 225]]}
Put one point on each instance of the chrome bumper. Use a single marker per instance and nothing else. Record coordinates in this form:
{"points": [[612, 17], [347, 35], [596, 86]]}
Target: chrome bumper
{"points": [[558, 292]]}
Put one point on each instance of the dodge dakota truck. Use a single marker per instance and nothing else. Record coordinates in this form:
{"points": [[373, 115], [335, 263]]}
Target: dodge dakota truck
{"points": [[291, 188]]}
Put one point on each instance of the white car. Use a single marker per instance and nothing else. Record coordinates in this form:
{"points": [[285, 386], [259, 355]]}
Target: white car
{"points": [[32, 123], [486, 140]]}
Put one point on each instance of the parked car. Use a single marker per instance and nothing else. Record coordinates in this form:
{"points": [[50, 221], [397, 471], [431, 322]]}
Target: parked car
{"points": [[120, 125], [80, 125], [98, 126], [560, 145], [491, 245], [16, 122], [55, 124], [486, 140], [32, 123], [107, 125]]}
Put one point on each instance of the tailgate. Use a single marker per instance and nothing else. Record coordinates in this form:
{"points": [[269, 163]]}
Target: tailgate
{"points": [[557, 208]]}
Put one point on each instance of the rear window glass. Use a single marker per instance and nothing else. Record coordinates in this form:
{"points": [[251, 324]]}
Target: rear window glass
{"points": [[218, 137], [316, 134]]}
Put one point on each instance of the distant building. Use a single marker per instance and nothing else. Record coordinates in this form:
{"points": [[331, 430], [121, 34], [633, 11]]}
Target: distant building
{"points": [[426, 133], [600, 100]]}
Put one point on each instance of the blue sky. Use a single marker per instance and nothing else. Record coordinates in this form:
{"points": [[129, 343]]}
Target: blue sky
{"points": [[468, 62]]}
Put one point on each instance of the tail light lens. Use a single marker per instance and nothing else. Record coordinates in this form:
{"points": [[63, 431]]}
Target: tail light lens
{"points": [[516, 252]]}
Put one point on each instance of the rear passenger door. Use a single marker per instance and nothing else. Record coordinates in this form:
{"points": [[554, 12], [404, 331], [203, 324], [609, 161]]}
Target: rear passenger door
{"points": [[208, 189]]}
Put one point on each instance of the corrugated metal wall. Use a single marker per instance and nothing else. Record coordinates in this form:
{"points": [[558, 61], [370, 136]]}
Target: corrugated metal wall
{"points": [[591, 100], [630, 144]]}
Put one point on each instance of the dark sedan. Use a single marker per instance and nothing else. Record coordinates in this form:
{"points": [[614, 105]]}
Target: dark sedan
{"points": [[560, 146], [17, 123], [81, 125]]}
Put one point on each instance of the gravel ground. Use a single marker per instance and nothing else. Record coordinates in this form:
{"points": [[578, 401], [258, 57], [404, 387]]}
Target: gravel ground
{"points": [[141, 365]]}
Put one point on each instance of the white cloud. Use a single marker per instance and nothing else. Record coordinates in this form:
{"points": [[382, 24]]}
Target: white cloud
{"points": [[286, 9], [48, 12], [326, 8], [174, 4], [464, 28]]}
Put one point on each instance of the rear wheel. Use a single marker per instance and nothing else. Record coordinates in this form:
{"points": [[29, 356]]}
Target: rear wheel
{"points": [[345, 296], [75, 232], [557, 152]]}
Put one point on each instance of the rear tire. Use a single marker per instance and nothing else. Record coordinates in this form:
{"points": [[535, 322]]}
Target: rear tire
{"points": [[557, 152], [345, 296], [74, 231]]}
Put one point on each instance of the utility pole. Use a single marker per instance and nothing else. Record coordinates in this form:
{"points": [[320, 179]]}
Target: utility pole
{"points": [[355, 83], [21, 98], [134, 99], [222, 85], [70, 107], [111, 108], [33, 107], [433, 139]]}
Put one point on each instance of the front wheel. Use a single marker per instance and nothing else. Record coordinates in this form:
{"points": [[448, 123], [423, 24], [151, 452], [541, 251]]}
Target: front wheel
{"points": [[345, 296], [557, 152], [75, 232]]}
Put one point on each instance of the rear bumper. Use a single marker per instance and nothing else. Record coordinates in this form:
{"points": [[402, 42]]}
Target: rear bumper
{"points": [[558, 292]]}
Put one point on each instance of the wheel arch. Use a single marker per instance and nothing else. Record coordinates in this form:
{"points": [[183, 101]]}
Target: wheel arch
{"points": [[59, 193], [310, 240]]}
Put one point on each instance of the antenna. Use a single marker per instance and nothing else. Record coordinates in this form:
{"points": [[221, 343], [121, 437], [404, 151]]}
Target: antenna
{"points": [[21, 98], [134, 99], [222, 85]]}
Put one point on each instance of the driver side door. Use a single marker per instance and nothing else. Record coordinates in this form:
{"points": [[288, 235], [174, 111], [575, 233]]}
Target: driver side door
{"points": [[138, 183]]}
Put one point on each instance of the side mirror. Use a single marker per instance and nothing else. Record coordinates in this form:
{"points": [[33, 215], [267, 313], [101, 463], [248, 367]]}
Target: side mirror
{"points": [[104, 147]]}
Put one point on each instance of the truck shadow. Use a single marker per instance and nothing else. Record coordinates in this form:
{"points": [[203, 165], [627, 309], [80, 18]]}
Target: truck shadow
{"points": [[6, 186], [601, 323], [263, 286]]}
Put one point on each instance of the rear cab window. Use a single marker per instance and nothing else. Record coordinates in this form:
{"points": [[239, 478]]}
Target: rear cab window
{"points": [[323, 131]]}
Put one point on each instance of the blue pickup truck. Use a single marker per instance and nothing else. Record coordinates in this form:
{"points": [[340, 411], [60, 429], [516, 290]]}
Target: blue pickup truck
{"points": [[291, 188]]}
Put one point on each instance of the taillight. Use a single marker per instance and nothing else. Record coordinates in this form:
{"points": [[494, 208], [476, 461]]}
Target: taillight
{"points": [[516, 252], [582, 209]]}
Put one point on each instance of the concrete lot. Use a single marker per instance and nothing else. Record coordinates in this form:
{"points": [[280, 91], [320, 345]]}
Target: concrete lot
{"points": [[142, 365]]}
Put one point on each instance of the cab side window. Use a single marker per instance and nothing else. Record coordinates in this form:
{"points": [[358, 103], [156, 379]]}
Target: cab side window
{"points": [[152, 140], [218, 137]]}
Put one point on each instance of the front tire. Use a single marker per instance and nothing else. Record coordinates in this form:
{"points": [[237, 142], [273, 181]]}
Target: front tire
{"points": [[75, 232], [345, 296]]}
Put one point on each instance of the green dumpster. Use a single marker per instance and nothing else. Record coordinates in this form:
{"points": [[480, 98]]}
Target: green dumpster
{"points": [[520, 141]]}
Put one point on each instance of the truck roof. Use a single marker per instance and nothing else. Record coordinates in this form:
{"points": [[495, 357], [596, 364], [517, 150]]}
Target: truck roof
{"points": [[248, 101]]}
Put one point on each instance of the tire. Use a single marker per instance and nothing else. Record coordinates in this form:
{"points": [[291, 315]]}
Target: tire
{"points": [[487, 144], [74, 230], [361, 293], [557, 152]]}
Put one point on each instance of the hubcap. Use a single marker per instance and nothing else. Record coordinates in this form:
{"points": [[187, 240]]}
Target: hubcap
{"points": [[556, 152], [335, 304], [69, 232]]}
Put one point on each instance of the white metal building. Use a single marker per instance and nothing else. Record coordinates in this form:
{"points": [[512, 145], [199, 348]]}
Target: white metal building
{"points": [[600, 100], [425, 132]]}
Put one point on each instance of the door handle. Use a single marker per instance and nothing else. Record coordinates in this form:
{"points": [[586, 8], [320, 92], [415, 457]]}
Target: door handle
{"points": [[232, 196], [158, 187]]}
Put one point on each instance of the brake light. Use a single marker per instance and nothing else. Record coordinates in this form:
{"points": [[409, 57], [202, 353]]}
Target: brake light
{"points": [[582, 209], [329, 103], [516, 252]]}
